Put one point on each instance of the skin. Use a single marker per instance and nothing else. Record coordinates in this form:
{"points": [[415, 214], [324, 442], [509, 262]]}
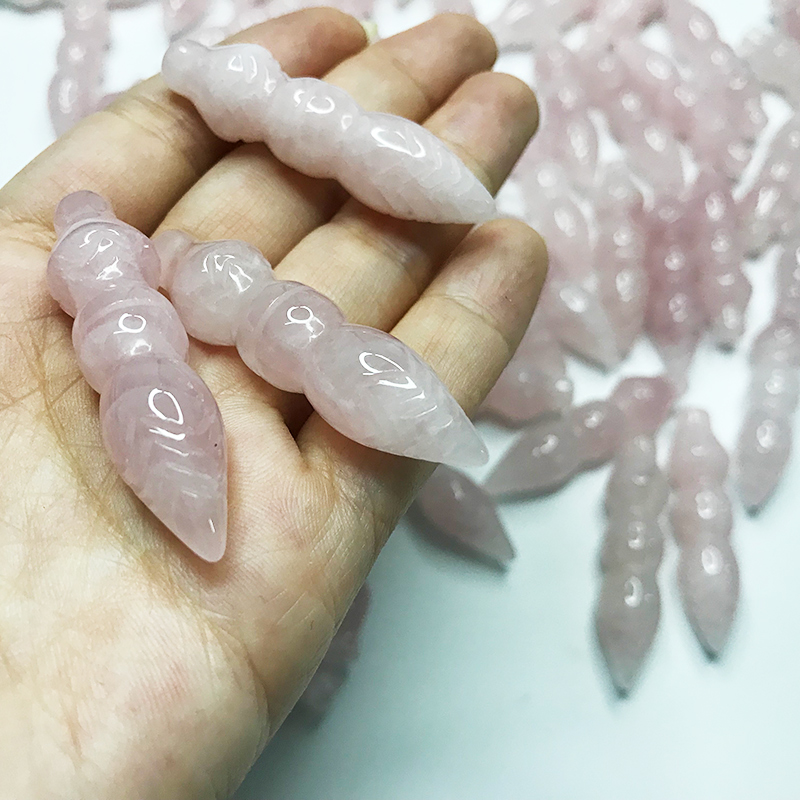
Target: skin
{"points": [[128, 667]]}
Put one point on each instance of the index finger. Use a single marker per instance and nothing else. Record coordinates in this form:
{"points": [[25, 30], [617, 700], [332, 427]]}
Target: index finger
{"points": [[145, 150]]}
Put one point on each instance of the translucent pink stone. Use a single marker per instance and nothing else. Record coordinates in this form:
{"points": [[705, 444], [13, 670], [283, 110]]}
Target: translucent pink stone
{"points": [[629, 605], [651, 146], [335, 666], [697, 457], [675, 316], [765, 438], [375, 390], [774, 57], [524, 23], [719, 248], [160, 423], [465, 515], [787, 15], [388, 163], [183, 16], [76, 88], [634, 540], [626, 621], [534, 383], [553, 211], [365, 383], [551, 452], [573, 311], [645, 404], [769, 207], [708, 575], [125, 322], [636, 483], [109, 253], [788, 280], [215, 284], [275, 334], [164, 433], [619, 260]]}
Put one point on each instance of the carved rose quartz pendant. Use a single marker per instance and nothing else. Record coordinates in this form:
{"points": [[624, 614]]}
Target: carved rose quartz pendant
{"points": [[388, 163], [161, 426], [366, 384]]}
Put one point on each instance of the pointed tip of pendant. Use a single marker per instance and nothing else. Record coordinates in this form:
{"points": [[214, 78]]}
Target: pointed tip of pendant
{"points": [[200, 523]]}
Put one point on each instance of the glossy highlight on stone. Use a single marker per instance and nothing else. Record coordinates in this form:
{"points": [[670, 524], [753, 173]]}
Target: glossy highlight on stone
{"points": [[388, 163], [708, 574], [365, 383], [161, 426]]}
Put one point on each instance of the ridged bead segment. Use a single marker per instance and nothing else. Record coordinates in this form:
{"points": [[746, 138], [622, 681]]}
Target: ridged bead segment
{"points": [[160, 424], [366, 384], [387, 162], [708, 574]]}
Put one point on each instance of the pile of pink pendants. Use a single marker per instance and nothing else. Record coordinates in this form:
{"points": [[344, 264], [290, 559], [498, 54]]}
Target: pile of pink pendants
{"points": [[650, 245]]}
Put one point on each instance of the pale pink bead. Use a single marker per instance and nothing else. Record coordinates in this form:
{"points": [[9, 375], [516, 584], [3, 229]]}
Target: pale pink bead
{"points": [[575, 314], [212, 285], [636, 483], [618, 193], [778, 343], [183, 16], [465, 515], [619, 260], [656, 76], [164, 433], [645, 403], [598, 429], [697, 456], [787, 14], [524, 23], [533, 384], [323, 112], [788, 280], [769, 207], [332, 672], [708, 578], [626, 620], [275, 335], [544, 457], [632, 539], [762, 453], [701, 510], [79, 206], [92, 255], [377, 391], [125, 322]]}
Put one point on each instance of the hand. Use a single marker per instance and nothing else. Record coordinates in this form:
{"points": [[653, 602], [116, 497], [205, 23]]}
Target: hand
{"points": [[128, 667]]}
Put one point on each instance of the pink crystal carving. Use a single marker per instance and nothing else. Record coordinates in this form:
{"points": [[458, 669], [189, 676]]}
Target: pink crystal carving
{"points": [[534, 384], [619, 252], [787, 16], [719, 247], [708, 575], [770, 206], [160, 423], [629, 605], [366, 384], [75, 90], [388, 163], [765, 438], [335, 666], [183, 16], [550, 453], [465, 515], [645, 403], [675, 317], [523, 24]]}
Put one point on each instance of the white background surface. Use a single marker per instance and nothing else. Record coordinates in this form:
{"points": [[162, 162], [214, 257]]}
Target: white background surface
{"points": [[476, 685]]}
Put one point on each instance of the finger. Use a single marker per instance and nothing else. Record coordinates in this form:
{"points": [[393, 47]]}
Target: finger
{"points": [[375, 267], [145, 150], [273, 207]]}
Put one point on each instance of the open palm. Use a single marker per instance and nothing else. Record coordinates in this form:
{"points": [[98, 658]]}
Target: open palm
{"points": [[128, 667]]}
